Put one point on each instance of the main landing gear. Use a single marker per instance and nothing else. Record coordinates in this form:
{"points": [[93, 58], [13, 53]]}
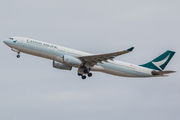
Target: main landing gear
{"points": [[83, 71], [84, 76], [18, 56]]}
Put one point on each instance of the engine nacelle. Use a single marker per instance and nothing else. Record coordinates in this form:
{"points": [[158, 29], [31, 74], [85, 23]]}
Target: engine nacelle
{"points": [[71, 60], [59, 65]]}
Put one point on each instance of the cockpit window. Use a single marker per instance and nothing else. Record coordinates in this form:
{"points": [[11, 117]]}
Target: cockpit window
{"points": [[11, 38]]}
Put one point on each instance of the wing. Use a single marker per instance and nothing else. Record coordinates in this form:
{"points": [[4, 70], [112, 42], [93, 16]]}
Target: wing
{"points": [[94, 59]]}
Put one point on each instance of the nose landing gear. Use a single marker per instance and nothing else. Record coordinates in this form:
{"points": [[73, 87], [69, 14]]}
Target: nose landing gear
{"points": [[18, 56]]}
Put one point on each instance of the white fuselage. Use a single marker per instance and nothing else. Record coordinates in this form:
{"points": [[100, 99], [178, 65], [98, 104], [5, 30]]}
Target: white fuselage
{"points": [[55, 52]]}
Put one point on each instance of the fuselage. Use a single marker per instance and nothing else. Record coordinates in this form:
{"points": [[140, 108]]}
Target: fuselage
{"points": [[56, 53]]}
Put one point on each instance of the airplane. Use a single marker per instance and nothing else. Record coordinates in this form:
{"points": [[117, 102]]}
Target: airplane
{"points": [[65, 58]]}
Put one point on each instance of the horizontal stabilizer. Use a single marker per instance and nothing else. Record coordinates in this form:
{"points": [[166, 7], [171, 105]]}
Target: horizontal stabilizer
{"points": [[162, 72]]}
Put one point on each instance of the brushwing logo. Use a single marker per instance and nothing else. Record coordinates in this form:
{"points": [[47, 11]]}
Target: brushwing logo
{"points": [[15, 41], [158, 64]]}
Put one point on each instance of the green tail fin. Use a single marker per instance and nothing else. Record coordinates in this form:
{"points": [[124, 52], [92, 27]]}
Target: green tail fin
{"points": [[160, 62]]}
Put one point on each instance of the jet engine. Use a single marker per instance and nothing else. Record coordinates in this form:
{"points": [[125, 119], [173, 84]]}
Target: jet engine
{"points": [[59, 65], [72, 60]]}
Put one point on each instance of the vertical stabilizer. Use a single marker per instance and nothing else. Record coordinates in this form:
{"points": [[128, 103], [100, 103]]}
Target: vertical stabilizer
{"points": [[160, 62]]}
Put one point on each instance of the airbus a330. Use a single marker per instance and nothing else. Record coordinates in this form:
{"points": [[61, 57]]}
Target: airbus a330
{"points": [[66, 58]]}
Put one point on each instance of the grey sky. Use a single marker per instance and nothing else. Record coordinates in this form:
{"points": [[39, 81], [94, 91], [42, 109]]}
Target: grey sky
{"points": [[30, 88]]}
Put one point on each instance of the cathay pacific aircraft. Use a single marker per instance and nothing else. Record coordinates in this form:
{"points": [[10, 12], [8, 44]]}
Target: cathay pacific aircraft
{"points": [[66, 58]]}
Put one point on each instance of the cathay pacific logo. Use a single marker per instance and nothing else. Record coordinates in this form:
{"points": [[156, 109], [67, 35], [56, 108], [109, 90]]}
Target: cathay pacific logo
{"points": [[158, 64], [15, 41]]}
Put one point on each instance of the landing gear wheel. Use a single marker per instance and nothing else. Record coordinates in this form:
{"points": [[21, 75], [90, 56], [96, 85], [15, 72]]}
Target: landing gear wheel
{"points": [[89, 74], [18, 56], [79, 74], [83, 77]]}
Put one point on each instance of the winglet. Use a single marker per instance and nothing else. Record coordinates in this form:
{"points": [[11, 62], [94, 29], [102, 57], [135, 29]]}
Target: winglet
{"points": [[130, 49]]}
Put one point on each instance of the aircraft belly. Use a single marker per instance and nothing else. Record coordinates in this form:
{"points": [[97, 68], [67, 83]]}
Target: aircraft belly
{"points": [[118, 73], [123, 71], [34, 52]]}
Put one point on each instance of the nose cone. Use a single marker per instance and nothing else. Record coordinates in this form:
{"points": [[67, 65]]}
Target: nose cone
{"points": [[5, 41]]}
